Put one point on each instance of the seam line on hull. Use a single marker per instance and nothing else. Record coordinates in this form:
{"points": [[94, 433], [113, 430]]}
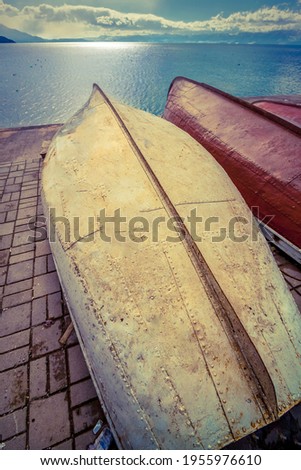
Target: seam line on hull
{"points": [[264, 393]]}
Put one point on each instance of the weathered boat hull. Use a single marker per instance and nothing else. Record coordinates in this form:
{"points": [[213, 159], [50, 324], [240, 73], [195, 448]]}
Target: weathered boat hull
{"points": [[261, 152], [192, 339]]}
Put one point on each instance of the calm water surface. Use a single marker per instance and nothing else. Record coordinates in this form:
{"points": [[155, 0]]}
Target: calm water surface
{"points": [[47, 83]]}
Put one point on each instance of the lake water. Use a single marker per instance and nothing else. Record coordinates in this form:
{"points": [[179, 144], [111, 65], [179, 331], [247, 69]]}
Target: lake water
{"points": [[47, 83]]}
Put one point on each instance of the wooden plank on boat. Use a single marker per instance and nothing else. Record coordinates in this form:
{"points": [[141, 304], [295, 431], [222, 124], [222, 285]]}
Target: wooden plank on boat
{"points": [[192, 339]]}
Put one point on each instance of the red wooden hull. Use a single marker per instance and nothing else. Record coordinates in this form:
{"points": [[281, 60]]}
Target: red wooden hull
{"points": [[260, 151]]}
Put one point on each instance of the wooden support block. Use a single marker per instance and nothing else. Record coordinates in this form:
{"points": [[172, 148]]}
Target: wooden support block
{"points": [[63, 340]]}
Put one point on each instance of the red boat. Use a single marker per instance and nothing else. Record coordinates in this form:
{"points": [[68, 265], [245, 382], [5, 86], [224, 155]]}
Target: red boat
{"points": [[257, 141], [286, 107]]}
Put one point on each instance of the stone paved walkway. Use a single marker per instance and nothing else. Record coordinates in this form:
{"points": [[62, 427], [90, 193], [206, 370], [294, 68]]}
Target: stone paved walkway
{"points": [[47, 399]]}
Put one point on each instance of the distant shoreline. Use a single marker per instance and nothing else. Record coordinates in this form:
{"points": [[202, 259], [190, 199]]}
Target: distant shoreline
{"points": [[5, 40]]}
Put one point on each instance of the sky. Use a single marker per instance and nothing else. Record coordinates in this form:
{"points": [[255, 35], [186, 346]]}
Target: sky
{"points": [[112, 18]]}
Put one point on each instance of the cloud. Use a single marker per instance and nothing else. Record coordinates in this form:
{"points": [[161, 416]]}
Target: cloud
{"points": [[8, 10], [77, 21], [262, 20]]}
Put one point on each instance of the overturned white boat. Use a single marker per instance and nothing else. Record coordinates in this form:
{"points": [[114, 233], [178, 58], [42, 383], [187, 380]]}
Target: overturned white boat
{"points": [[189, 331]]}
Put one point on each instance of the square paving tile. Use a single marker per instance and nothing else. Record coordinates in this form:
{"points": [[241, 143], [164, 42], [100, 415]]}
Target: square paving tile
{"points": [[4, 255], [17, 299], [19, 272], [77, 366], [87, 416], [6, 229], [55, 305], [46, 284], [82, 392], [15, 319], [39, 311], [16, 443], [57, 371], [25, 237], [13, 423], [38, 378], [13, 389], [45, 337], [14, 358], [17, 340], [48, 421]]}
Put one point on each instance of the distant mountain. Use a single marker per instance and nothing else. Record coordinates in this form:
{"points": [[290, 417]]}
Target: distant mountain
{"points": [[18, 36], [273, 37], [4, 40], [270, 38]]}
